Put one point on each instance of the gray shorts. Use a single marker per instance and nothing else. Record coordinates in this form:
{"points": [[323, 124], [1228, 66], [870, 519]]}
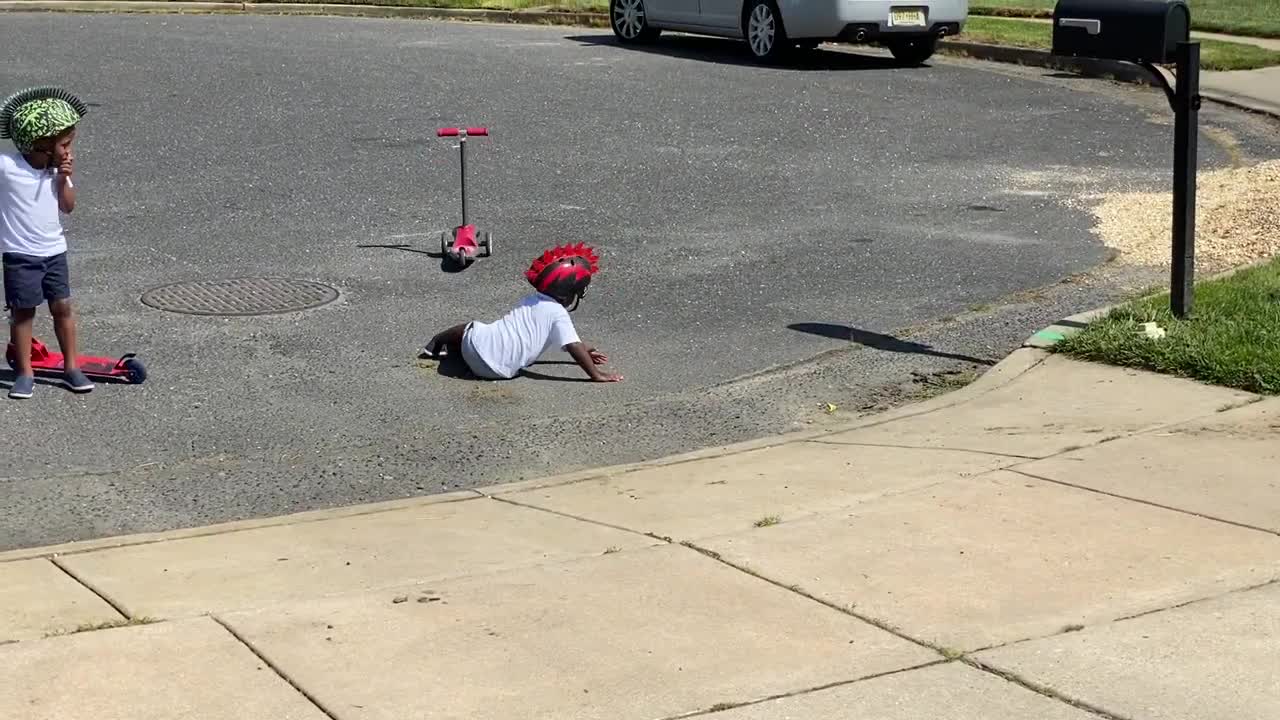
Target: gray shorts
{"points": [[472, 358], [30, 281]]}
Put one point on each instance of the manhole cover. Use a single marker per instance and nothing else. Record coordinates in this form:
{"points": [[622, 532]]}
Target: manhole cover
{"points": [[239, 296]]}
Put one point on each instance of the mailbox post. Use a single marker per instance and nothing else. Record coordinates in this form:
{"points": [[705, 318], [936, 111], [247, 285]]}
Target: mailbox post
{"points": [[1150, 33], [1186, 137]]}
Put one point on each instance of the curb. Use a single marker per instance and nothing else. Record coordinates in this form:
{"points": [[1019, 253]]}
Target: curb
{"points": [[1046, 338], [1016, 364], [1094, 68], [1086, 67]]}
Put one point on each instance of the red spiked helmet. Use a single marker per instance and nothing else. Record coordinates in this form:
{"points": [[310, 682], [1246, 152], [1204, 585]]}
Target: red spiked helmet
{"points": [[564, 272]]}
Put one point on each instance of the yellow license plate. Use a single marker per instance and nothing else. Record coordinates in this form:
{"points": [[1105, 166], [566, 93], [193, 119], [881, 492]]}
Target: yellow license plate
{"points": [[906, 17]]}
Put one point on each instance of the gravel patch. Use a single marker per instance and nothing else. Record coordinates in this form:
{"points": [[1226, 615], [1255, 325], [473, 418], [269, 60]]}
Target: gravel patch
{"points": [[1237, 219]]}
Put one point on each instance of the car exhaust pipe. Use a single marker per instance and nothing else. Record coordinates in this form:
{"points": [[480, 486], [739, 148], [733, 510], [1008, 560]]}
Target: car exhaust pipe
{"points": [[862, 35]]}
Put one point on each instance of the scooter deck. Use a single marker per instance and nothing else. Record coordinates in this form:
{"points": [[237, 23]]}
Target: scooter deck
{"points": [[93, 366], [464, 247]]}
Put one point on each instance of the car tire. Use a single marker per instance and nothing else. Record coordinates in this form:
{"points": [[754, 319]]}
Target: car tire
{"points": [[913, 51], [763, 29], [630, 23]]}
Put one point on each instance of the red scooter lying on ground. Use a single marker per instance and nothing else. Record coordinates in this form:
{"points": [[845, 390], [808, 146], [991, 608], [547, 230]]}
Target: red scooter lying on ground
{"points": [[127, 368], [465, 245]]}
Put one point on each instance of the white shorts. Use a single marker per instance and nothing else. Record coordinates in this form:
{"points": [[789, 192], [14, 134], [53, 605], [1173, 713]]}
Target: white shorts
{"points": [[473, 360]]}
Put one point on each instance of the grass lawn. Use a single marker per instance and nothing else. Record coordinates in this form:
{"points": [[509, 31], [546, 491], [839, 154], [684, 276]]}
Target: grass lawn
{"points": [[1259, 18], [1232, 338], [1214, 54]]}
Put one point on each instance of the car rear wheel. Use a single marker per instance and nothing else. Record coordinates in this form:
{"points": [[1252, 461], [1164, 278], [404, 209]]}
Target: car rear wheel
{"points": [[762, 26], [913, 51], [629, 22]]}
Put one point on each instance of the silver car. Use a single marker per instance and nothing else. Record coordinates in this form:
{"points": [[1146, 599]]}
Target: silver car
{"points": [[772, 28]]}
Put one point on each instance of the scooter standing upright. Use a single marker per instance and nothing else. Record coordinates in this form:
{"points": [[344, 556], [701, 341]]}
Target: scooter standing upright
{"points": [[466, 242]]}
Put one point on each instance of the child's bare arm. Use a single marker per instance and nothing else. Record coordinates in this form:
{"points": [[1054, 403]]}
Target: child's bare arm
{"points": [[66, 189], [587, 359]]}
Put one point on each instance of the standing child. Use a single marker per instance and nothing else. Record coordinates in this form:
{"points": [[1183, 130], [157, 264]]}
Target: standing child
{"points": [[501, 349], [35, 186]]}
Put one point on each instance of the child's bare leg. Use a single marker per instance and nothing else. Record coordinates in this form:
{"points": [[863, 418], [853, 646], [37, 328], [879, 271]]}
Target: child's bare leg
{"points": [[451, 339], [64, 326], [20, 336]]}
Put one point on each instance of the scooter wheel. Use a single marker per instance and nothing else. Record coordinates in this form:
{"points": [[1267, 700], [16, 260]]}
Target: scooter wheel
{"points": [[135, 371], [444, 247], [488, 244]]}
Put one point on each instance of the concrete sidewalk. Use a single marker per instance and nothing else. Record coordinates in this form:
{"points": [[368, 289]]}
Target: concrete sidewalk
{"points": [[1256, 90], [1057, 541]]}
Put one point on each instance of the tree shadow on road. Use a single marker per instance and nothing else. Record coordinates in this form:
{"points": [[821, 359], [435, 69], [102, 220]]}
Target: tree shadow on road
{"points": [[880, 341], [734, 52]]}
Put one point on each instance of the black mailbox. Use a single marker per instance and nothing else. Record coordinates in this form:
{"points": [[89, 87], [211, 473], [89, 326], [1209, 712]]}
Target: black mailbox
{"points": [[1132, 30]]}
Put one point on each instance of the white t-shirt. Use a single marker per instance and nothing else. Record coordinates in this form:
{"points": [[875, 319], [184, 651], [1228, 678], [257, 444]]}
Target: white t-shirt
{"points": [[29, 220], [536, 325]]}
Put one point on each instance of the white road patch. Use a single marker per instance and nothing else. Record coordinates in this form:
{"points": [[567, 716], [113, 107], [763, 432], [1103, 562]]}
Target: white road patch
{"points": [[411, 235], [989, 238]]}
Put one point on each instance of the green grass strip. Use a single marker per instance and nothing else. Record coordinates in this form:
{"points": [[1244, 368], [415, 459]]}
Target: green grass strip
{"points": [[1232, 338]]}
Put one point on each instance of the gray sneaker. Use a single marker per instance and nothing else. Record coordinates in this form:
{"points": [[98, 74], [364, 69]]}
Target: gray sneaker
{"points": [[78, 381], [23, 386]]}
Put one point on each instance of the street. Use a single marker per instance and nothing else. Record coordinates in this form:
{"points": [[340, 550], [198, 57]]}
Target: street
{"points": [[748, 220]]}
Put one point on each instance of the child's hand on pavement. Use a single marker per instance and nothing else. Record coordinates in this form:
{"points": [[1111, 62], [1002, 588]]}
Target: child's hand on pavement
{"points": [[598, 357], [608, 378]]}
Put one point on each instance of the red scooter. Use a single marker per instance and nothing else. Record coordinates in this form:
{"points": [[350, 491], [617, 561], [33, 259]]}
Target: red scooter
{"points": [[466, 243], [128, 367]]}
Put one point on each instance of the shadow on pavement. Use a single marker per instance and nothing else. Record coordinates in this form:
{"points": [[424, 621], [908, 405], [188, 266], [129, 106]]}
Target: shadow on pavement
{"points": [[446, 264], [735, 52], [879, 341], [52, 378], [556, 378], [455, 368]]}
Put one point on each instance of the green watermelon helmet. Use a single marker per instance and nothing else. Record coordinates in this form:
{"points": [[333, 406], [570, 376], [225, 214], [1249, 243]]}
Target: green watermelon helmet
{"points": [[31, 115]]}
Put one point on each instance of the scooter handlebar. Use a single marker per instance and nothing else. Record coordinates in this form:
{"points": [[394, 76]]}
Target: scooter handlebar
{"points": [[455, 132]]}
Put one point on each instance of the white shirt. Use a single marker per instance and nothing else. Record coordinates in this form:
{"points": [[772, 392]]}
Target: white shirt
{"points": [[29, 220], [536, 325]]}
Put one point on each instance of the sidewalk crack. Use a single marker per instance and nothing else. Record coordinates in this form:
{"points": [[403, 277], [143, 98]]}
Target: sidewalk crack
{"points": [[1149, 503], [578, 518], [721, 707], [275, 668], [894, 446], [1042, 690], [119, 608], [946, 653]]}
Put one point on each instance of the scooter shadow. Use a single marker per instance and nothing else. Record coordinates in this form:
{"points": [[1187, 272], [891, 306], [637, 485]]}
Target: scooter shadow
{"points": [[447, 264]]}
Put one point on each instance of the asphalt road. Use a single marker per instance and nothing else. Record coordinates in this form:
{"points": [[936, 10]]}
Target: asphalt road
{"points": [[730, 204]]}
